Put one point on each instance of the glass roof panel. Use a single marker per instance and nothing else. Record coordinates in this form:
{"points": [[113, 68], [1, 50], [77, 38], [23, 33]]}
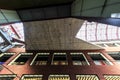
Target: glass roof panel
{"points": [[95, 32]]}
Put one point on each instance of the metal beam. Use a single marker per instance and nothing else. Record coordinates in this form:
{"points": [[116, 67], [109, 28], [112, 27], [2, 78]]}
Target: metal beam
{"points": [[96, 31], [103, 7], [82, 1], [17, 40], [5, 37], [110, 21], [15, 31], [4, 16], [7, 41]]}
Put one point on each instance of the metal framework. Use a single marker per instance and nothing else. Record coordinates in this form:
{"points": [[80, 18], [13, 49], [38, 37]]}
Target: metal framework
{"points": [[97, 32]]}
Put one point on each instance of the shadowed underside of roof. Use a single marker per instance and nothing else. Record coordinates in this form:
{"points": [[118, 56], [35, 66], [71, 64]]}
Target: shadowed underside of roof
{"points": [[57, 34]]}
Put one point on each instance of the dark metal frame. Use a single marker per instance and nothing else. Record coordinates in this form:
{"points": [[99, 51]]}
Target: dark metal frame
{"points": [[7, 40]]}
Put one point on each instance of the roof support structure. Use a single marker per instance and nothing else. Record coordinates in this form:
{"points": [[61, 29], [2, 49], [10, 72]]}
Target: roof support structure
{"points": [[7, 42], [103, 8]]}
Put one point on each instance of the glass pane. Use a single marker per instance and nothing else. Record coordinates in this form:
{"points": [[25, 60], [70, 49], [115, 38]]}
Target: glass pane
{"points": [[78, 59], [5, 56], [59, 59], [41, 59], [21, 59], [99, 59]]}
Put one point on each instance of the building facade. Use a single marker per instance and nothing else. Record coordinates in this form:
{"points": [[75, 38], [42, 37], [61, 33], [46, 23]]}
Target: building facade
{"points": [[60, 65]]}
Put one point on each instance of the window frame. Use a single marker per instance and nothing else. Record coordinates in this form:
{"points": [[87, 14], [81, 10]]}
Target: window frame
{"points": [[19, 56], [2, 54], [61, 53], [80, 53], [38, 55], [114, 52], [110, 63]]}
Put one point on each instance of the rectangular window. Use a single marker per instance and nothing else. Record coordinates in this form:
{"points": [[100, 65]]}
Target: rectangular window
{"points": [[59, 77], [86, 77], [21, 59], [32, 77], [115, 55], [40, 59], [99, 59], [112, 77], [7, 77], [5, 56], [59, 59], [79, 59]]}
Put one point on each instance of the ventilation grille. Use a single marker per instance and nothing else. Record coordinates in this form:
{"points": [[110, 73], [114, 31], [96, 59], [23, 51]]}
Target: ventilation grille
{"points": [[32, 77], [110, 77], [7, 77], [86, 77], [59, 77]]}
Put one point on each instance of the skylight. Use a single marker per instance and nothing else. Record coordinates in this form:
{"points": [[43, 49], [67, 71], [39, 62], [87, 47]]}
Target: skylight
{"points": [[115, 15], [14, 30], [11, 35], [97, 32]]}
